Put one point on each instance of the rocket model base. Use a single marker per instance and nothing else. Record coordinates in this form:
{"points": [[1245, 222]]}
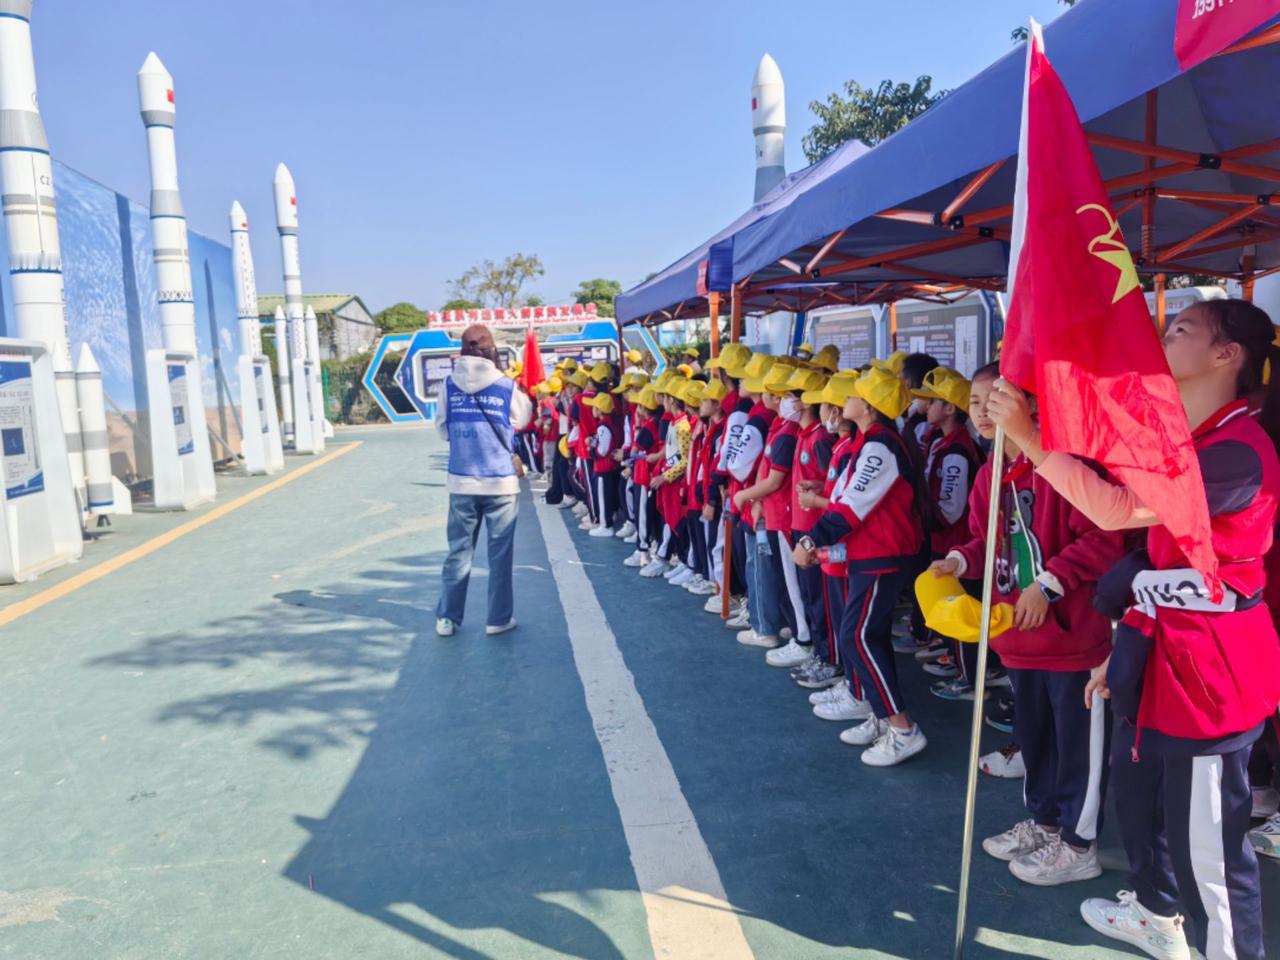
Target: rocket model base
{"points": [[182, 461], [261, 445], [39, 521]]}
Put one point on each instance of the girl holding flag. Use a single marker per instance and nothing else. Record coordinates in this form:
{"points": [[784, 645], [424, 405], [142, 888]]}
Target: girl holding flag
{"points": [[1192, 677]]}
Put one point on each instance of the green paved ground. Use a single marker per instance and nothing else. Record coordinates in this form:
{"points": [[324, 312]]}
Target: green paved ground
{"points": [[250, 744]]}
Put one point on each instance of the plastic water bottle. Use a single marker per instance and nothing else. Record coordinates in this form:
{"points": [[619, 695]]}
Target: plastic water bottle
{"points": [[762, 542], [836, 553]]}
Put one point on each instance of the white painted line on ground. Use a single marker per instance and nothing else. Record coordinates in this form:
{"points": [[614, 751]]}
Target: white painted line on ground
{"points": [[684, 899]]}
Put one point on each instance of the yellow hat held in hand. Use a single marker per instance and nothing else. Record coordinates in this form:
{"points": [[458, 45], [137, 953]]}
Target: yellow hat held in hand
{"points": [[602, 402], [884, 391], [950, 611], [943, 383], [563, 446], [828, 358], [733, 357]]}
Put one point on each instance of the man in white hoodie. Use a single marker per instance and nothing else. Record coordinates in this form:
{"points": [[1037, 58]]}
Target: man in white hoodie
{"points": [[479, 416]]}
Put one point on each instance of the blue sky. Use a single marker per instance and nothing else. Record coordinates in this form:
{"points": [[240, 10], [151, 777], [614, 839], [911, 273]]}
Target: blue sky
{"points": [[608, 138]]}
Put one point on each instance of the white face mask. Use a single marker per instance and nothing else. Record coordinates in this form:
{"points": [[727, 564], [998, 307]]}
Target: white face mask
{"points": [[790, 409], [832, 425]]}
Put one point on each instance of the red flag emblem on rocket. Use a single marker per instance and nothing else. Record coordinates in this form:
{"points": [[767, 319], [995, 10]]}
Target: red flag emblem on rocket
{"points": [[170, 93], [1078, 332]]}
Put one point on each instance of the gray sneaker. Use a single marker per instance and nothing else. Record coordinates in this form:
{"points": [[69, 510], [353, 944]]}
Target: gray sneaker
{"points": [[822, 676]]}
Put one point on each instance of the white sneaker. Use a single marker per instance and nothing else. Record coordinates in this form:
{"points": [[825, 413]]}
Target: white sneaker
{"points": [[738, 622], [749, 638], [601, 532], [865, 733], [494, 629], [676, 567], [1266, 838], [579, 508], [586, 523], [1055, 863], [715, 603], [637, 559], [1266, 802], [656, 568], [1022, 838], [681, 577], [792, 655], [445, 627], [1006, 763], [628, 530], [843, 706], [702, 587], [1127, 920], [894, 746], [829, 694]]}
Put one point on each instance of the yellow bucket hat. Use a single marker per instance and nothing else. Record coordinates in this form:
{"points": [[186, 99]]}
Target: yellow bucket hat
{"points": [[828, 358], [602, 402], [884, 391], [807, 380], [895, 361], [943, 383], [733, 357], [715, 390], [950, 611], [842, 386]]}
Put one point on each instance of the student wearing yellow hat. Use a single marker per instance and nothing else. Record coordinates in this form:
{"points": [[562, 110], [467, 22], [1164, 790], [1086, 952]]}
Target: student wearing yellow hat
{"points": [[873, 524], [665, 484], [604, 467], [693, 573], [730, 367], [645, 450], [705, 497]]}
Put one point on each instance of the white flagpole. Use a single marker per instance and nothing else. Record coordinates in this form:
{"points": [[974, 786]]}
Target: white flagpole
{"points": [[1034, 38]]}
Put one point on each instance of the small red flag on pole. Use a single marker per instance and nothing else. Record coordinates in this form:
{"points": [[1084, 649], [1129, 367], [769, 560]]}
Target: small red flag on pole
{"points": [[1079, 334], [532, 373]]}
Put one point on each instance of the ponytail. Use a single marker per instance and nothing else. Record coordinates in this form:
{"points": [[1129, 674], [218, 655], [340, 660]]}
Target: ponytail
{"points": [[1238, 321]]}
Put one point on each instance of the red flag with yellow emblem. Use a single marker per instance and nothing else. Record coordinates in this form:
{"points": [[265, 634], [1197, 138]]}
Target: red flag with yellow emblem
{"points": [[1079, 334]]}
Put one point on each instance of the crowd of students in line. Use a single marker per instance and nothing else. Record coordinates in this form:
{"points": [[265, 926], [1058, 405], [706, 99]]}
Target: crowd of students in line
{"points": [[841, 487]]}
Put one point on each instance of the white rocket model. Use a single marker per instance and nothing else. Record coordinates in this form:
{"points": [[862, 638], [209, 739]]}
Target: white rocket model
{"points": [[260, 443], [307, 435], [181, 457], [93, 430], [31, 221], [168, 221], [317, 383], [282, 368], [769, 123]]}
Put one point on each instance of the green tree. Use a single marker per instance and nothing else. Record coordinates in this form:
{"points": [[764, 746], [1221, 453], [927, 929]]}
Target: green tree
{"points": [[599, 291], [866, 114], [458, 303], [533, 300], [400, 318], [498, 284], [1020, 33]]}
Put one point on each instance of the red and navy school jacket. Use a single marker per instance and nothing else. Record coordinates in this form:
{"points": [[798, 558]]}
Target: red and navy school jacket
{"points": [[872, 507], [711, 479], [1203, 681], [812, 461], [645, 443], [608, 437], [951, 466], [692, 478], [1073, 555], [841, 457], [779, 457]]}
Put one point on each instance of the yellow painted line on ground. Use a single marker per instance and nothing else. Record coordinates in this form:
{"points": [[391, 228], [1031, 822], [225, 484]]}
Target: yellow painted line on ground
{"points": [[23, 607]]}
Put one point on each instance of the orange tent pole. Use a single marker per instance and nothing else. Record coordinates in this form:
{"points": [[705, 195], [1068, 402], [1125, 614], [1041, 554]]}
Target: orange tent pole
{"points": [[713, 313], [1160, 308]]}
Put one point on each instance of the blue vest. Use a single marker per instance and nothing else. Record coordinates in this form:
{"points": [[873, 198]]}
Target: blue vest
{"points": [[475, 449]]}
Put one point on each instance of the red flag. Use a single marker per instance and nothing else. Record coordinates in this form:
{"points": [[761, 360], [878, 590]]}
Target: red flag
{"points": [[1079, 335], [532, 374]]}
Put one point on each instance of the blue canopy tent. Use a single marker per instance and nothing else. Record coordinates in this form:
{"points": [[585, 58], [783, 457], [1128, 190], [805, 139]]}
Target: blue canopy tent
{"points": [[1190, 159]]}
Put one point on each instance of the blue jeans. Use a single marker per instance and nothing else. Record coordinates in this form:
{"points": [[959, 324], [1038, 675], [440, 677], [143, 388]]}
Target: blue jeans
{"points": [[465, 513]]}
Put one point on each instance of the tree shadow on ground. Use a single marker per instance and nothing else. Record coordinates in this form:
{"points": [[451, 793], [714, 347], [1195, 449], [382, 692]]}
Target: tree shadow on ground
{"points": [[456, 824]]}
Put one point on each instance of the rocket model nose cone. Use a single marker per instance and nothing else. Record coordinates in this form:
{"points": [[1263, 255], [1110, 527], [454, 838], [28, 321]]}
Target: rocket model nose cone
{"points": [[279, 313], [155, 92], [766, 72], [286, 200], [239, 219], [310, 314], [85, 362]]}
